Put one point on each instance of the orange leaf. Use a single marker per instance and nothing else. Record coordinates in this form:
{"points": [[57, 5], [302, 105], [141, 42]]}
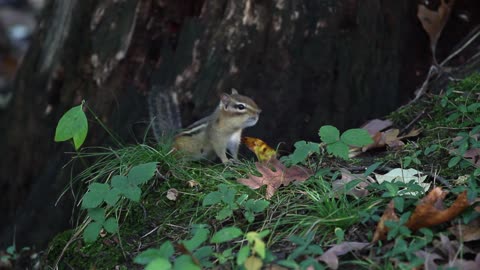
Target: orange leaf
{"points": [[382, 230], [273, 179], [262, 150], [430, 211]]}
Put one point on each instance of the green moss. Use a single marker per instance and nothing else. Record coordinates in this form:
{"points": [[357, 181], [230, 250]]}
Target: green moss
{"points": [[444, 116]]}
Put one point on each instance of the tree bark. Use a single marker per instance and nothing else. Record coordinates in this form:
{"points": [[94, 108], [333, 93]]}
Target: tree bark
{"points": [[306, 63]]}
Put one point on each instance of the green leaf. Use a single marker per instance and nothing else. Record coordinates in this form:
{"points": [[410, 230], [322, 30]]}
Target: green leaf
{"points": [[454, 161], [338, 149], [399, 203], [112, 196], [303, 149], [185, 262], [432, 148], [11, 250], [249, 216], [90, 234], [356, 137], [372, 168], [226, 234], [72, 125], [340, 234], [290, 264], [165, 251], [111, 225], [127, 189], [95, 196], [224, 213], [97, 214], [212, 198], [257, 206], [200, 235], [159, 264], [142, 173], [329, 134], [203, 255], [228, 195], [242, 254], [352, 184]]}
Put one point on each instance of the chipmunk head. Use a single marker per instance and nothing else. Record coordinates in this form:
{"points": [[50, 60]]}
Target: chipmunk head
{"points": [[242, 110]]}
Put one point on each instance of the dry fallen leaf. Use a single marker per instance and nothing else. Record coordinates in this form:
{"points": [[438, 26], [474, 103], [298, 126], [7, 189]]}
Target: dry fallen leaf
{"points": [[381, 231], [273, 179], [390, 138], [473, 155], [192, 183], [330, 257], [405, 176], [429, 259], [172, 194], [262, 150], [430, 211], [467, 232], [376, 125], [434, 21]]}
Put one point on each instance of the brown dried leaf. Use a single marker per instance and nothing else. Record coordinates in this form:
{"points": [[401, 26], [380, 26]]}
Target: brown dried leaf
{"points": [[390, 137], [447, 251], [429, 259], [381, 231], [330, 257], [473, 155], [430, 211], [467, 232], [273, 179], [376, 125], [434, 21]]}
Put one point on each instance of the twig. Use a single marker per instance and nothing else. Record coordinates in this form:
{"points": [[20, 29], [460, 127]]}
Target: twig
{"points": [[414, 121], [462, 47], [433, 70]]}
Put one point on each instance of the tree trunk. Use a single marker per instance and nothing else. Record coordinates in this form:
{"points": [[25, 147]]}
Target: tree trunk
{"points": [[306, 63]]}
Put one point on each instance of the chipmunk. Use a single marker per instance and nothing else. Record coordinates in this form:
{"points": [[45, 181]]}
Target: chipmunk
{"points": [[212, 135]]}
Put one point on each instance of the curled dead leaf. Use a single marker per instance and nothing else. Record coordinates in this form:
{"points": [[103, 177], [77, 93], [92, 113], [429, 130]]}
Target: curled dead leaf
{"points": [[430, 211], [381, 231], [433, 22]]}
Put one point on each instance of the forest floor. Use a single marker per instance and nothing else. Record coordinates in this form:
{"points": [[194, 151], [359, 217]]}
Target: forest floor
{"points": [[382, 209]]}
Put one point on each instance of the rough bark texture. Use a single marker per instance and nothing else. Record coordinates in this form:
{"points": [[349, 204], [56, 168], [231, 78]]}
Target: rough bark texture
{"points": [[306, 63]]}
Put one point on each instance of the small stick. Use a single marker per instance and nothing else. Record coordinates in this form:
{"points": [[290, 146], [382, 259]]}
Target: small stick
{"points": [[409, 125]]}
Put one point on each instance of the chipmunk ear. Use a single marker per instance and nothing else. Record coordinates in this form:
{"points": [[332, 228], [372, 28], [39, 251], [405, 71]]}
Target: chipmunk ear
{"points": [[224, 100], [234, 91]]}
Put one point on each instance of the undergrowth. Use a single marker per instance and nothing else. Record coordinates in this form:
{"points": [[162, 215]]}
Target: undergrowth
{"points": [[196, 214]]}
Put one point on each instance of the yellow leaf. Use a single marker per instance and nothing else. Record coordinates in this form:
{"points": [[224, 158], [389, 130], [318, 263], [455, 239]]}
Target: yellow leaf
{"points": [[253, 263], [262, 150]]}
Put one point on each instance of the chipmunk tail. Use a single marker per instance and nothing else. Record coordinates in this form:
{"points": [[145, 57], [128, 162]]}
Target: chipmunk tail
{"points": [[164, 112]]}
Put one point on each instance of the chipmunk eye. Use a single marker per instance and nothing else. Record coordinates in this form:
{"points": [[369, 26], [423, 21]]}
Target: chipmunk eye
{"points": [[240, 107]]}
